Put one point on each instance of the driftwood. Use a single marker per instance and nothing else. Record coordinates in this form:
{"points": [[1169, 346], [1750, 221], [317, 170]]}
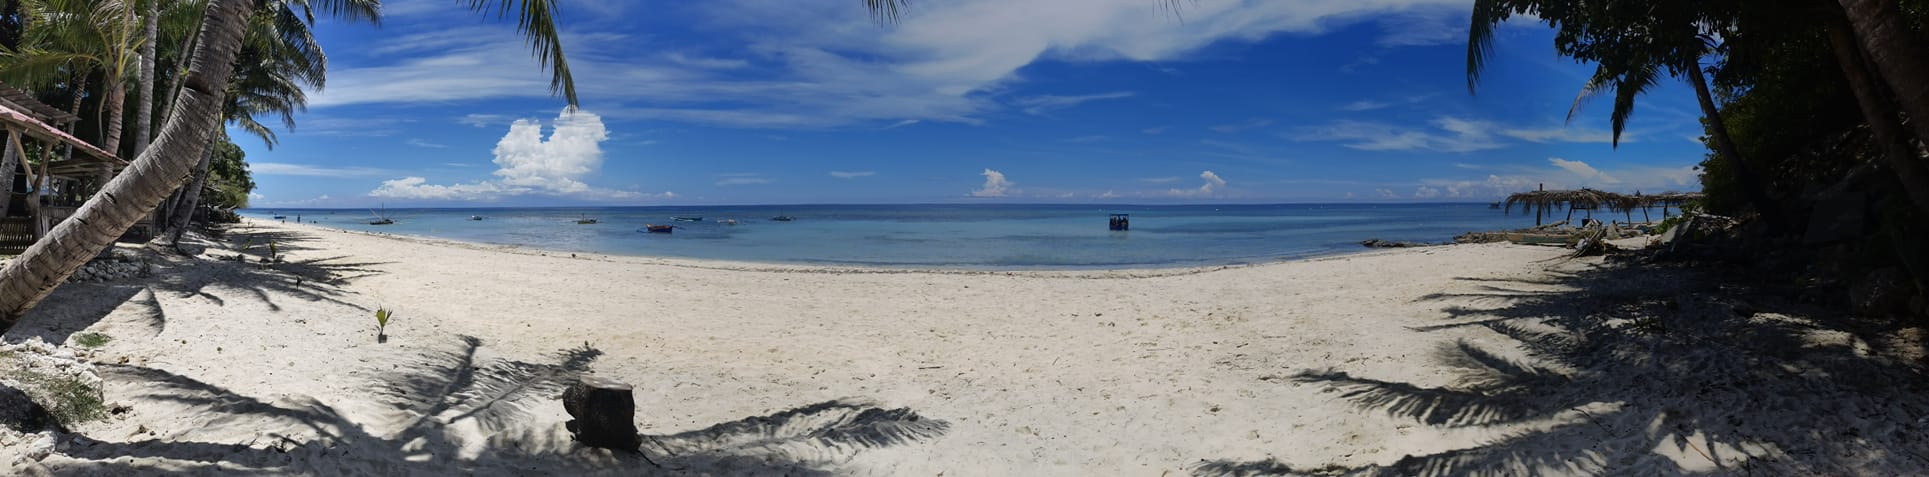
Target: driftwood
{"points": [[604, 411]]}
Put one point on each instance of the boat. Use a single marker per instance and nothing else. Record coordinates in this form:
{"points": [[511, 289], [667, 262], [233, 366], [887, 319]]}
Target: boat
{"points": [[783, 218], [1120, 222], [475, 217], [1493, 205], [728, 221], [381, 217], [658, 229], [688, 218], [280, 217], [585, 221]]}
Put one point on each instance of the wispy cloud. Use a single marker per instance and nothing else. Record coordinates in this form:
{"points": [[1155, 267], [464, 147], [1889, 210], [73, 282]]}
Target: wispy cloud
{"points": [[483, 120], [737, 181], [1154, 130], [307, 170], [1160, 180], [852, 175], [422, 143], [1448, 134], [995, 185], [1249, 124], [1563, 134], [1038, 105], [903, 123], [1092, 138], [1365, 105]]}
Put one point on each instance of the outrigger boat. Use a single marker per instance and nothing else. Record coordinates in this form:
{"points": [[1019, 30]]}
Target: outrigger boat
{"points": [[585, 221], [475, 217], [381, 218], [688, 218], [783, 218], [728, 221], [658, 229]]}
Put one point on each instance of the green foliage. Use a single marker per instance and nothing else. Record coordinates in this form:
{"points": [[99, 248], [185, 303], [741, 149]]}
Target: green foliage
{"points": [[229, 181], [92, 339], [382, 315], [68, 399]]}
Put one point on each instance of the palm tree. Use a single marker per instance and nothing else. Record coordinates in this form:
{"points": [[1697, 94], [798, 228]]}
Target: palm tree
{"points": [[144, 113], [82, 36], [1632, 42], [164, 166], [1896, 52]]}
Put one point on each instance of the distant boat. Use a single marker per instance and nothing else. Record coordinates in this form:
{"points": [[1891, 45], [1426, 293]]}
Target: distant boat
{"points": [[381, 218], [1494, 205], [688, 218], [728, 221], [585, 221], [783, 218], [658, 229], [280, 217], [475, 217]]}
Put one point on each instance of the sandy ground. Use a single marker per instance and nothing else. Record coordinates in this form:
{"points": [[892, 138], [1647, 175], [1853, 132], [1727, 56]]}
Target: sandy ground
{"points": [[1459, 360]]}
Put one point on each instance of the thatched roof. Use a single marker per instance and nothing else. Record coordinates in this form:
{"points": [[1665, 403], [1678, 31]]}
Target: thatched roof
{"points": [[1573, 199], [1669, 199]]}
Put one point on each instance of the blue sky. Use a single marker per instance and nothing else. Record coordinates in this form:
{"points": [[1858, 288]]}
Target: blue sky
{"points": [[1086, 101]]}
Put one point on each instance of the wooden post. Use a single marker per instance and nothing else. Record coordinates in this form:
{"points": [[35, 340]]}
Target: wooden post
{"points": [[15, 151], [604, 411]]}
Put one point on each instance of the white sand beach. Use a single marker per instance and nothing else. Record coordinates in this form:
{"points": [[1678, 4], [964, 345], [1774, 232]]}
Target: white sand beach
{"points": [[1356, 364]]}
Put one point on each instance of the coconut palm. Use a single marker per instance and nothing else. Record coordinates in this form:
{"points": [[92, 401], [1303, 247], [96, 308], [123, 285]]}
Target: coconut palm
{"points": [[81, 36], [165, 165], [1895, 50], [1632, 42]]}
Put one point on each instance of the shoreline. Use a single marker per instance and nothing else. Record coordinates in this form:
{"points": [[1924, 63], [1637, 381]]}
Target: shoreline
{"points": [[826, 268]]}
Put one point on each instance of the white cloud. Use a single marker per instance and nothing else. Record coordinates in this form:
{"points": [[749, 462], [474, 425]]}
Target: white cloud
{"points": [[995, 185], [256, 196], [1562, 134], [1213, 186], [903, 123], [1154, 130], [1386, 194], [824, 64], [304, 170], [1365, 105], [1161, 180], [736, 181], [422, 143], [1584, 171], [1107, 195], [1425, 192], [1037, 105], [1460, 135], [852, 175], [527, 163], [1254, 123], [1464, 165], [483, 120], [324, 199]]}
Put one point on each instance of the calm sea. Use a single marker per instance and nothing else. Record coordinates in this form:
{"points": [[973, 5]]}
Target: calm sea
{"points": [[954, 236]]}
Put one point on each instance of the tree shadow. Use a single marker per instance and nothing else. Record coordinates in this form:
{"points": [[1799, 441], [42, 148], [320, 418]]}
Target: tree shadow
{"points": [[76, 306], [1623, 364], [431, 395]]}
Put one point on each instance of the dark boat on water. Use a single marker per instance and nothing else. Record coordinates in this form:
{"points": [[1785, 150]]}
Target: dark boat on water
{"points": [[585, 221], [783, 218], [1120, 222], [658, 229], [381, 221], [688, 218], [475, 217]]}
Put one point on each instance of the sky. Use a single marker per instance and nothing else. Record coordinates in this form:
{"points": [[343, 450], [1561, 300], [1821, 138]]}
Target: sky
{"points": [[961, 101]]}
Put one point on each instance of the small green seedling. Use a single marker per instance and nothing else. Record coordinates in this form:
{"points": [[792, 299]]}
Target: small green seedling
{"points": [[92, 340], [381, 324]]}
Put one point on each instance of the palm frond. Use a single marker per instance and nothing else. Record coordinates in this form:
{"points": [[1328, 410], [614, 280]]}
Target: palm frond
{"points": [[1630, 86], [1480, 38], [1597, 84], [536, 21], [888, 11]]}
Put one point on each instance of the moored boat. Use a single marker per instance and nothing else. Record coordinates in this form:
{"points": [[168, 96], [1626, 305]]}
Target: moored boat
{"points": [[475, 217], [658, 229], [783, 218], [585, 221], [688, 218], [381, 221], [728, 221]]}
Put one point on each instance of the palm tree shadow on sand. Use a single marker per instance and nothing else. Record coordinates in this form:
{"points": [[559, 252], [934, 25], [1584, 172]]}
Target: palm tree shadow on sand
{"points": [[1651, 370], [456, 410]]}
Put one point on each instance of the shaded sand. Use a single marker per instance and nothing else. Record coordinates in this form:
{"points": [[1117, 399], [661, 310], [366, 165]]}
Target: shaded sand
{"points": [[1460, 360]]}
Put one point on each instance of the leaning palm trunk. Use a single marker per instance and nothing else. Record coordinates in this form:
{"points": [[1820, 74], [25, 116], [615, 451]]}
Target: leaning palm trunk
{"points": [[34, 274], [190, 196], [1884, 124], [1893, 48], [1751, 185]]}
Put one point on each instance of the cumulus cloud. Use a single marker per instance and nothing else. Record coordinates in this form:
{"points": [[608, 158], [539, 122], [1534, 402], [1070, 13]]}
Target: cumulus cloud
{"points": [[1386, 194], [529, 164], [1425, 192], [852, 175], [995, 185], [1213, 185]]}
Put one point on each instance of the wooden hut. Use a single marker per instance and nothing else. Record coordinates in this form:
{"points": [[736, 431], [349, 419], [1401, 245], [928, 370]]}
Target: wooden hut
{"points": [[1541, 201], [43, 192]]}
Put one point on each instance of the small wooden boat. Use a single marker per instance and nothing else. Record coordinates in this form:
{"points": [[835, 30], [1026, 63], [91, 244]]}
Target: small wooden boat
{"points": [[281, 217], [728, 221], [381, 221], [585, 221], [783, 218], [688, 218], [381, 217], [658, 229], [475, 217]]}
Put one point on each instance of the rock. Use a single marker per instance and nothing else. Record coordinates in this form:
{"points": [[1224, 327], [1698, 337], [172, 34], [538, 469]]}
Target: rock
{"points": [[1883, 292], [20, 413], [604, 411], [1377, 243]]}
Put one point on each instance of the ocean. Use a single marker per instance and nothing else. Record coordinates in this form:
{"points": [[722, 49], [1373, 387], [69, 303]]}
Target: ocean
{"points": [[966, 236]]}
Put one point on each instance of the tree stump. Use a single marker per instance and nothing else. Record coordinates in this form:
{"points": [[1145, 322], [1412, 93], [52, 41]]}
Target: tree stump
{"points": [[604, 411]]}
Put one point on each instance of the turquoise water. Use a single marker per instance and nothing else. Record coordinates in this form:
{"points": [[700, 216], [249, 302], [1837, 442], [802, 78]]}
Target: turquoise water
{"points": [[955, 236]]}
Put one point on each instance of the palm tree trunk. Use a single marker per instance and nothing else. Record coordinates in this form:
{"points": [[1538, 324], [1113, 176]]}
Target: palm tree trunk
{"points": [[144, 114], [1752, 187], [8, 161], [114, 107], [190, 195], [1884, 123], [30, 277], [1897, 54]]}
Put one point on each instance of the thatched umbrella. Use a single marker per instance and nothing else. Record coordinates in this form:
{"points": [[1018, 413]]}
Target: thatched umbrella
{"points": [[1670, 199], [1544, 200]]}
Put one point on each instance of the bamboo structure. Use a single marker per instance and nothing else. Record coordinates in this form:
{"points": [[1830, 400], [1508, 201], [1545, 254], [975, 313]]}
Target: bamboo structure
{"points": [[49, 189]]}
